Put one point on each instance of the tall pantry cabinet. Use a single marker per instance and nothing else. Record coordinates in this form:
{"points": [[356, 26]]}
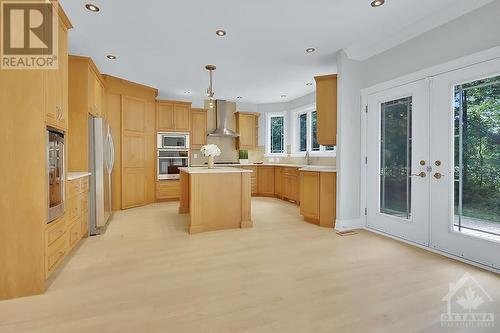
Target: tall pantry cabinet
{"points": [[29, 101], [131, 113]]}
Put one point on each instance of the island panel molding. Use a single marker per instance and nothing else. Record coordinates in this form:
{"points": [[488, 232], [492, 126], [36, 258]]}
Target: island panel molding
{"points": [[216, 199]]}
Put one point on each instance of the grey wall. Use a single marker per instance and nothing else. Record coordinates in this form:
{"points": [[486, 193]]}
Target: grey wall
{"points": [[282, 107], [474, 32]]}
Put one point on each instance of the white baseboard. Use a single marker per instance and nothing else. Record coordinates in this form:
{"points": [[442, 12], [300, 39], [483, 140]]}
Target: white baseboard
{"points": [[349, 224], [449, 255]]}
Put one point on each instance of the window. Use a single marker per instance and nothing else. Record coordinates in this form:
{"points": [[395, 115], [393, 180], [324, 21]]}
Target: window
{"points": [[305, 134], [276, 129], [477, 158]]}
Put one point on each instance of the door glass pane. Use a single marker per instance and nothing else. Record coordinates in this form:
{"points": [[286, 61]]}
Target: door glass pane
{"points": [[395, 158], [277, 135], [303, 132], [477, 158]]}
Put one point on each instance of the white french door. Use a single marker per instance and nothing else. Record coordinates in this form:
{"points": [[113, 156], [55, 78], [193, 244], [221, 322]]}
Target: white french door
{"points": [[397, 158], [433, 162], [465, 152]]}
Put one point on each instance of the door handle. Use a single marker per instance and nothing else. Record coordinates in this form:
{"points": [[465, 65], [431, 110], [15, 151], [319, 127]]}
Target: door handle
{"points": [[421, 175], [438, 175]]}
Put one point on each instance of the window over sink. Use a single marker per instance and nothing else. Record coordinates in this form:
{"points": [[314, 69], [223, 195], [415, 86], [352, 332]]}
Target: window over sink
{"points": [[304, 134]]}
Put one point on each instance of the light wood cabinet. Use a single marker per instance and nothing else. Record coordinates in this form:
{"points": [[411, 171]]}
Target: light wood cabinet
{"points": [[318, 197], [247, 127], [253, 178], [95, 92], [326, 107], [173, 116], [265, 180], [86, 91], [62, 235], [309, 196], [278, 181], [77, 212], [130, 110], [165, 117], [290, 185], [198, 128], [133, 152], [167, 190], [28, 100], [328, 199], [56, 83], [55, 253]]}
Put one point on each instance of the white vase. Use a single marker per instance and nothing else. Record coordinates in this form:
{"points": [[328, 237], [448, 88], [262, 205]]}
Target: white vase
{"points": [[211, 162]]}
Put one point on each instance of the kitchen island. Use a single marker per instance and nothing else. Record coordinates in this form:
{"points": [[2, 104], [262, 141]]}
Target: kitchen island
{"points": [[215, 199]]}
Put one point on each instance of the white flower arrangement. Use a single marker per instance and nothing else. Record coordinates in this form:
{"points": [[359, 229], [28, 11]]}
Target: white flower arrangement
{"points": [[210, 150]]}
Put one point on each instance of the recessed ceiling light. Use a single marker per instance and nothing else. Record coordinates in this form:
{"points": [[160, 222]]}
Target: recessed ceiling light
{"points": [[111, 57], [92, 8], [310, 50], [309, 84], [283, 96], [187, 92], [220, 33], [239, 97], [377, 3]]}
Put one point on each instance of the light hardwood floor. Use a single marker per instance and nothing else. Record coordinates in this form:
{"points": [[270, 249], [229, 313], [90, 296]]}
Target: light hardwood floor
{"points": [[147, 274]]}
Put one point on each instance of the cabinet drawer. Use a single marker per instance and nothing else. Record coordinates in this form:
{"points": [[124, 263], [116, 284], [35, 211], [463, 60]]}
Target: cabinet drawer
{"points": [[75, 232], [291, 172], [84, 185], [55, 230], [84, 199], [55, 254], [85, 224], [74, 208], [74, 187], [168, 189]]}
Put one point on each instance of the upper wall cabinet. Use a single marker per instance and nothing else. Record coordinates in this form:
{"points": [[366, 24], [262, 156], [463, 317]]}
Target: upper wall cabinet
{"points": [[86, 91], [173, 116], [326, 107], [56, 82], [95, 92], [247, 126], [198, 128]]}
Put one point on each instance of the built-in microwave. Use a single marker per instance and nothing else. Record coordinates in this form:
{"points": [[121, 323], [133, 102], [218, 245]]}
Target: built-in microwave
{"points": [[173, 141]]}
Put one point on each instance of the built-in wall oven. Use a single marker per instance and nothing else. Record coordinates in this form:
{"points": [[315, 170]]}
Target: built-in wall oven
{"points": [[55, 173], [173, 153]]}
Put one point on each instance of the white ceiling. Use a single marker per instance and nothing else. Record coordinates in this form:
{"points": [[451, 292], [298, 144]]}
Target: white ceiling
{"points": [[166, 44]]}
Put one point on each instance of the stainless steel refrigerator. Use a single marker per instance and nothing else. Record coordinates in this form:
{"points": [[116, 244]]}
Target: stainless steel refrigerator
{"points": [[101, 160]]}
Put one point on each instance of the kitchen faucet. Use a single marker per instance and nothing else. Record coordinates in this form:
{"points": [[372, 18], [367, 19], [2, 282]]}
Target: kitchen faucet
{"points": [[308, 158]]}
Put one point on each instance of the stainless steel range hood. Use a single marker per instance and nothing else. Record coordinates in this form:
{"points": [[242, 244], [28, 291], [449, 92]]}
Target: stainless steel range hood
{"points": [[223, 120]]}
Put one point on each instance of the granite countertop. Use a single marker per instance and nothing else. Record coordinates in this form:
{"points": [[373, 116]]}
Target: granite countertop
{"points": [[205, 169], [77, 175]]}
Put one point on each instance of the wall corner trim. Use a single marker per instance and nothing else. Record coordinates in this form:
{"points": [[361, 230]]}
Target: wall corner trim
{"points": [[349, 224]]}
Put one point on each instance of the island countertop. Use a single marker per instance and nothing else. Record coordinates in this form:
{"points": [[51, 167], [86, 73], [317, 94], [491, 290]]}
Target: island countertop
{"points": [[198, 170]]}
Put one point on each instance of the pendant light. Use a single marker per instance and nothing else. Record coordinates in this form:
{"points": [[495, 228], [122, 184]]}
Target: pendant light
{"points": [[210, 90]]}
